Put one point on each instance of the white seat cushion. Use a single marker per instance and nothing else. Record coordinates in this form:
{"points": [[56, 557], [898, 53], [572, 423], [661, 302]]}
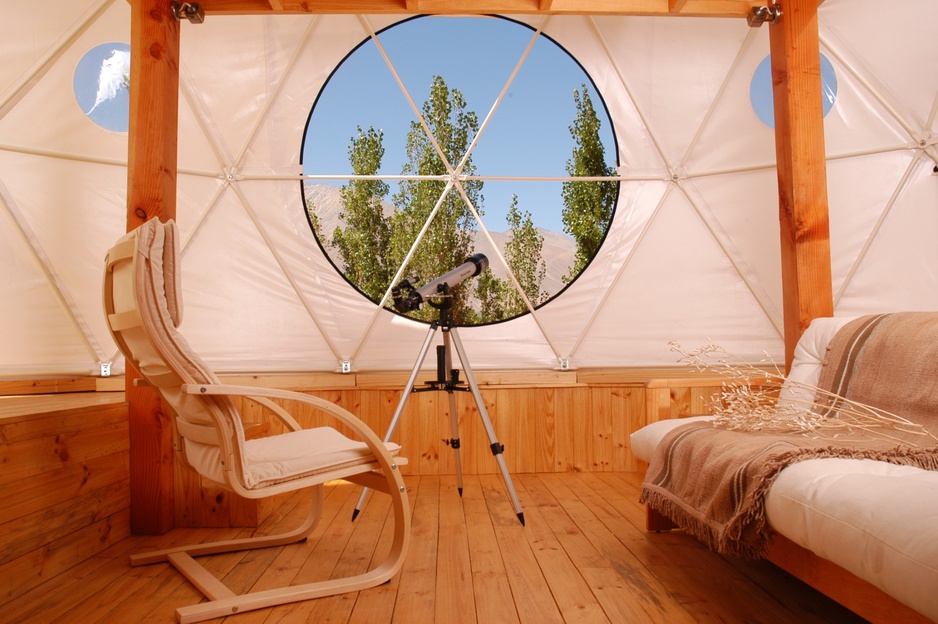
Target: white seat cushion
{"points": [[279, 458], [288, 456], [875, 519]]}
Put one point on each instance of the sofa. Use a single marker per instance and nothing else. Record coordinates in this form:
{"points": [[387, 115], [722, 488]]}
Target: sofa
{"points": [[850, 508]]}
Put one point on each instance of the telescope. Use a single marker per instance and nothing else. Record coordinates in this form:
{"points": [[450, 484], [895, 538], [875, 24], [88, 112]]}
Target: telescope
{"points": [[407, 297]]}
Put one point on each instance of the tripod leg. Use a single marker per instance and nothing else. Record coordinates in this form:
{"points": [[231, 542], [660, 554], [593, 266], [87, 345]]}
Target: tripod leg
{"points": [[453, 416], [487, 423], [400, 406]]}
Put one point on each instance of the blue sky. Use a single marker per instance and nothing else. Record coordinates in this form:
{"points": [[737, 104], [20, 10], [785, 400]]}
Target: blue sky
{"points": [[527, 136], [98, 89]]}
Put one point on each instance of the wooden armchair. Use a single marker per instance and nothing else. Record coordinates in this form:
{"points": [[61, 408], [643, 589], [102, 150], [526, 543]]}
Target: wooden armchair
{"points": [[143, 307]]}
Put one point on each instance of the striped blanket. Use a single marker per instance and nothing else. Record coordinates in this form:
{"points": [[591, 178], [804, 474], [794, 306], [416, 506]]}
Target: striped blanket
{"points": [[713, 482]]}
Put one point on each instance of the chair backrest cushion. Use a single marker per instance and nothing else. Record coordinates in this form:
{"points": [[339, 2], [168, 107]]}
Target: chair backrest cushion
{"points": [[143, 303]]}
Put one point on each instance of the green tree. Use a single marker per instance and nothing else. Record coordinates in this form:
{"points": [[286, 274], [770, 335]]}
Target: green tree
{"points": [[491, 293], [523, 255], [499, 298], [588, 206], [449, 239], [364, 243], [314, 220]]}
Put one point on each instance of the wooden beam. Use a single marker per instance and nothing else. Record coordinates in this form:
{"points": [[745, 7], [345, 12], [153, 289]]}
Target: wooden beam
{"points": [[802, 171], [151, 192], [711, 8], [154, 108]]}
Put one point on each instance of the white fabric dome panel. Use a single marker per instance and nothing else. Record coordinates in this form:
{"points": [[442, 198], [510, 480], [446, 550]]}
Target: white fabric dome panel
{"points": [[692, 255]]}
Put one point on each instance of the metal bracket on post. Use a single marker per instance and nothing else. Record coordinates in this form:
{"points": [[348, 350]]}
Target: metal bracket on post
{"points": [[346, 366], [105, 369], [761, 14], [191, 11]]}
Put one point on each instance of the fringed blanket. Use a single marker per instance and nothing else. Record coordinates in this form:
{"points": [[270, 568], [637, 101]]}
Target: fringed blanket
{"points": [[713, 482]]}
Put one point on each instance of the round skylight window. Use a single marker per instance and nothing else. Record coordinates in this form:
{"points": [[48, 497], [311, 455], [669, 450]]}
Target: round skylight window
{"points": [[101, 84], [760, 90]]}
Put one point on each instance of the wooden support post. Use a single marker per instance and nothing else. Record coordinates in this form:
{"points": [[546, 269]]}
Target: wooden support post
{"points": [[151, 192], [802, 170]]}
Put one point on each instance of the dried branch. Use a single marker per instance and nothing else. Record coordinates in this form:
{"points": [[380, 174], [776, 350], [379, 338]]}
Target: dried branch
{"points": [[748, 401]]}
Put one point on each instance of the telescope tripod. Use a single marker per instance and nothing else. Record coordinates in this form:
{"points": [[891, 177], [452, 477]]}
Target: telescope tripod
{"points": [[448, 380]]}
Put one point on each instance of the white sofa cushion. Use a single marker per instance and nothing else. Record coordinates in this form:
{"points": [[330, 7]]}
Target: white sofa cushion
{"points": [[872, 518], [644, 441], [808, 358], [875, 519]]}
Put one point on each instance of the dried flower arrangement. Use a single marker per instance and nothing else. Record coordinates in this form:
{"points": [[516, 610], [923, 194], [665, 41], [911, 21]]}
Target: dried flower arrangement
{"points": [[749, 401]]}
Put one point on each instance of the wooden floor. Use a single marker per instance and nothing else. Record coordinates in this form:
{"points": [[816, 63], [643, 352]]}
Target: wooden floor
{"points": [[583, 556]]}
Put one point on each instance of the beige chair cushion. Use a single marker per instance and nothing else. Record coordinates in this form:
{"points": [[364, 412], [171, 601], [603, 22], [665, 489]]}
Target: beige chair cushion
{"points": [[279, 458]]}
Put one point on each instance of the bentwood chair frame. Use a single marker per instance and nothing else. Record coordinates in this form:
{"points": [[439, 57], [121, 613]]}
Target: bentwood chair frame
{"points": [[142, 300]]}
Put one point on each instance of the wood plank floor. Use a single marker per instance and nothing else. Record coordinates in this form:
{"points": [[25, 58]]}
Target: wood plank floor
{"points": [[583, 556]]}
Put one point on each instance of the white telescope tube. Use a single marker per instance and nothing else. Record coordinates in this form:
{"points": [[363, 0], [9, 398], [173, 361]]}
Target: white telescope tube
{"points": [[473, 265]]}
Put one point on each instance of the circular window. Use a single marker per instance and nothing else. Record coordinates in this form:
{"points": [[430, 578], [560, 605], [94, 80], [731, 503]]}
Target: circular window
{"points": [[762, 98], [101, 83], [443, 146]]}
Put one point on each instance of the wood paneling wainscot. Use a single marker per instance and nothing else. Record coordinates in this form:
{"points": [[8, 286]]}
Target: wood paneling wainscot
{"points": [[65, 483], [548, 421], [65, 457], [65, 451]]}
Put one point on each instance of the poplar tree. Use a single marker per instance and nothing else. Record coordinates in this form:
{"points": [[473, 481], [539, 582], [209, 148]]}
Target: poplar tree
{"points": [[523, 255], [491, 293], [499, 298], [449, 239], [364, 243], [588, 206]]}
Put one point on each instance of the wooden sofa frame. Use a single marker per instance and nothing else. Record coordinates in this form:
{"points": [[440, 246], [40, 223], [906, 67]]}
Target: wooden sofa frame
{"points": [[675, 398], [842, 586]]}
